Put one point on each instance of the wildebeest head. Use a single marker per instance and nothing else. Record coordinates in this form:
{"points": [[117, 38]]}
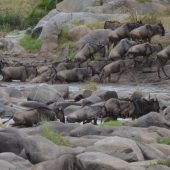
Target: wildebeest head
{"points": [[154, 105], [31, 71], [134, 25], [59, 111], [162, 29]]}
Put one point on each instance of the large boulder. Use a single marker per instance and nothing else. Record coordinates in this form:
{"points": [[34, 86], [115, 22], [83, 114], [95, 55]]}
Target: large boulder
{"points": [[44, 94], [18, 162], [39, 149], [166, 113], [101, 161], [51, 26], [11, 141], [65, 162], [123, 148], [78, 32], [151, 119], [7, 165]]}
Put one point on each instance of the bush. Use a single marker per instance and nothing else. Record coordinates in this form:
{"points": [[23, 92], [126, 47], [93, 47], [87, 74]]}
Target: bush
{"points": [[112, 123], [30, 44], [55, 137]]}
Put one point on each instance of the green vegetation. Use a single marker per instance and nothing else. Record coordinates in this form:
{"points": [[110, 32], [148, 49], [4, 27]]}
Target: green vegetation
{"points": [[165, 163], [30, 44], [64, 41], [15, 14], [90, 85], [112, 123], [148, 18], [53, 136], [144, 1], [96, 25], [164, 141]]}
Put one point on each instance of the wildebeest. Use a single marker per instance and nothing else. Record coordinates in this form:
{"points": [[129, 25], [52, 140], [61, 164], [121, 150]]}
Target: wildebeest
{"points": [[121, 49], [19, 73], [87, 114], [119, 108], [114, 67], [73, 75], [130, 108], [146, 32], [162, 58], [145, 50], [88, 52], [37, 112], [112, 25], [123, 31]]}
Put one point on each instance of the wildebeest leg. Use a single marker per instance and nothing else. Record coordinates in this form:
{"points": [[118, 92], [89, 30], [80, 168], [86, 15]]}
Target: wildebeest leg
{"points": [[164, 71], [119, 76], [109, 78]]}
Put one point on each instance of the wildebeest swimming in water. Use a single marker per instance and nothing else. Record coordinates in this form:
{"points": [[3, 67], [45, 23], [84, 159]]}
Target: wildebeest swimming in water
{"points": [[162, 58], [146, 32]]}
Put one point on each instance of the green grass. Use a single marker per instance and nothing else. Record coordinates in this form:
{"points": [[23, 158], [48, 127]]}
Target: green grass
{"points": [[30, 44], [112, 123], [90, 85], [55, 137], [165, 141]]}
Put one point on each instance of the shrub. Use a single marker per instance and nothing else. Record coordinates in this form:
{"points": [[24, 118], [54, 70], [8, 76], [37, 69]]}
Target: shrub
{"points": [[112, 123], [55, 137], [30, 44]]}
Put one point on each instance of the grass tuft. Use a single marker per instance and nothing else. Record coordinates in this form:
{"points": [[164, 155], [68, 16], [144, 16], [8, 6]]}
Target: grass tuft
{"points": [[112, 123], [90, 85], [30, 44], [55, 137], [165, 141]]}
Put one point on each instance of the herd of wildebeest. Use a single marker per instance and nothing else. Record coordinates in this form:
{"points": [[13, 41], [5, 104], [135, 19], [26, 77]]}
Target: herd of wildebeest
{"points": [[129, 40]]}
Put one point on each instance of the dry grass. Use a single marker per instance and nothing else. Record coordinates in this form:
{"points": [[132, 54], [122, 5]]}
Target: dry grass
{"points": [[15, 6]]}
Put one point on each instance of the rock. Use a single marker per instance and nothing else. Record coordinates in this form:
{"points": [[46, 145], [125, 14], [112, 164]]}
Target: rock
{"points": [[101, 161], [123, 148], [13, 92], [51, 28], [71, 109], [6, 165], [162, 147], [11, 141], [150, 153], [62, 89], [151, 119], [82, 94], [65, 162], [87, 129], [18, 162], [44, 94], [158, 167], [166, 113], [75, 6], [6, 111], [91, 100], [105, 95], [39, 149], [78, 32], [8, 45]]}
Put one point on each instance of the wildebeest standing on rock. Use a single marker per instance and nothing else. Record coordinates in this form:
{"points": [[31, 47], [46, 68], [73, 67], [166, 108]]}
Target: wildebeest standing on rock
{"points": [[162, 58], [74, 75], [19, 73], [98, 36], [121, 49], [114, 67], [145, 50], [123, 31], [88, 52], [146, 32]]}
